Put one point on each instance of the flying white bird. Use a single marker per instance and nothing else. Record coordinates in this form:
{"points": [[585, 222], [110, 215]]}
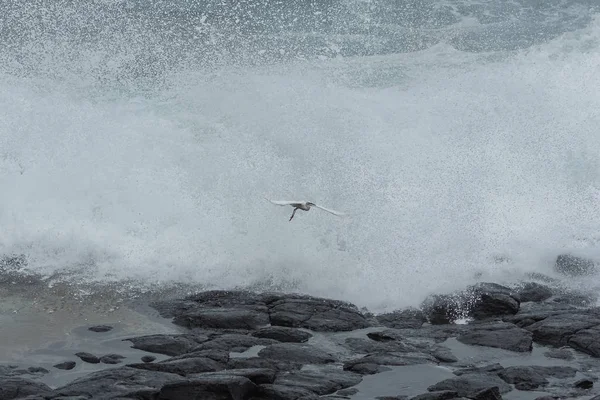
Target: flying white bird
{"points": [[304, 206]]}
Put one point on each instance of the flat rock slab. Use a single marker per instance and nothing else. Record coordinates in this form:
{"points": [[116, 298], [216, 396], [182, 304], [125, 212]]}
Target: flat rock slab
{"points": [[468, 385], [370, 363], [120, 382], [556, 330], [282, 392], [221, 309], [322, 315], [503, 336], [282, 334], [234, 342], [403, 319], [182, 367], [170, 345], [259, 376], [297, 352], [224, 318], [319, 382]]}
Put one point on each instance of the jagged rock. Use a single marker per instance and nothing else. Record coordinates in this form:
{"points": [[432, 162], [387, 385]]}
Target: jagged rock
{"points": [[12, 387], [320, 382], [282, 334], [215, 387], [468, 385], [100, 328], [297, 352], [182, 367], [571, 265], [123, 382], [87, 357], [170, 345], [317, 314], [500, 335], [536, 292], [402, 319]]}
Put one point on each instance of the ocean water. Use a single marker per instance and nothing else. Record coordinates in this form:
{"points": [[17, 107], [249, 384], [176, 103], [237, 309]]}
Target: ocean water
{"points": [[138, 140]]}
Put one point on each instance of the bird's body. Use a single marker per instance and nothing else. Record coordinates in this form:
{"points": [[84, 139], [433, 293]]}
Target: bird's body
{"points": [[304, 206]]}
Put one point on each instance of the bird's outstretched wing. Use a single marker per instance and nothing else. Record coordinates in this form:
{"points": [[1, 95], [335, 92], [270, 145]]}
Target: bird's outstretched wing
{"points": [[339, 214], [285, 202]]}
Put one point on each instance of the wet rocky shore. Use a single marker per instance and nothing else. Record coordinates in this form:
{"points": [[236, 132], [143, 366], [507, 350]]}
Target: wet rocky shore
{"points": [[528, 341]]}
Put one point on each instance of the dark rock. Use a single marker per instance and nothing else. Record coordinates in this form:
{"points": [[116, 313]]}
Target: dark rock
{"points": [[234, 342], [526, 386], [281, 392], [587, 341], [486, 369], [37, 370], [258, 376], [16, 387], [468, 385], [363, 368], [551, 398], [533, 291], [111, 359], [258, 362], [182, 367], [283, 334], [123, 382], [556, 330], [492, 393], [529, 313], [221, 356], [100, 328], [570, 265], [317, 314], [443, 354], [67, 365], [87, 357], [441, 395], [216, 387], [320, 382], [297, 352], [523, 375], [503, 336], [563, 354], [391, 398], [532, 377], [410, 318], [480, 301], [396, 359], [584, 384], [224, 318], [148, 359], [347, 392], [170, 345], [361, 345]]}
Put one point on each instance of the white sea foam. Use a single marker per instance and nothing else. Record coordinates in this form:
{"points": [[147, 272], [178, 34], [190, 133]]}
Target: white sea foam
{"points": [[460, 160]]}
